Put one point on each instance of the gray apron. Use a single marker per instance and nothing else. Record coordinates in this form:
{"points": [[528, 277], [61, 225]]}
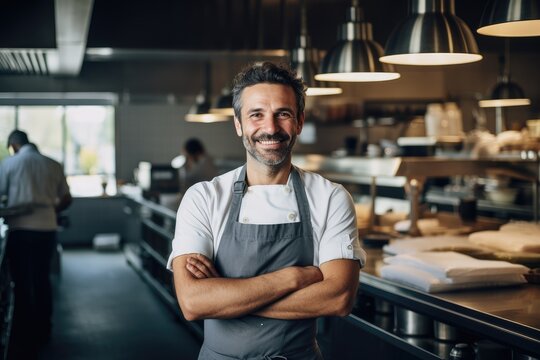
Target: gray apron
{"points": [[248, 250]]}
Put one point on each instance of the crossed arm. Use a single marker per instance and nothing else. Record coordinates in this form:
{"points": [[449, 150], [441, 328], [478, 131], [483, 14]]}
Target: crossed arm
{"points": [[289, 293]]}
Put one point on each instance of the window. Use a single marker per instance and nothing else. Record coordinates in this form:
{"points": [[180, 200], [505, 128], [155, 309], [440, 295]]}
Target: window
{"points": [[79, 137], [7, 124]]}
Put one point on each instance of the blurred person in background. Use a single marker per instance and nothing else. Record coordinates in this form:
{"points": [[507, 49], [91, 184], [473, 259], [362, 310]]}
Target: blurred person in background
{"points": [[28, 178], [199, 165]]}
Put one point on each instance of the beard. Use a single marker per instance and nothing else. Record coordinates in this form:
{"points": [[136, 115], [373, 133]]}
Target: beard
{"points": [[270, 157]]}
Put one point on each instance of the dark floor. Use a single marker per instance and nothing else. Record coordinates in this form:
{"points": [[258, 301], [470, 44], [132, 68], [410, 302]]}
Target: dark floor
{"points": [[103, 310]]}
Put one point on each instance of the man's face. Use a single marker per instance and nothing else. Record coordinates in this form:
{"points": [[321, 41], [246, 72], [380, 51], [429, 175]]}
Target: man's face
{"points": [[270, 122]]}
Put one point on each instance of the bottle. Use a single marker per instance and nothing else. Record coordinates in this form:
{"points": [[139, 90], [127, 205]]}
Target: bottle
{"points": [[436, 120], [455, 120]]}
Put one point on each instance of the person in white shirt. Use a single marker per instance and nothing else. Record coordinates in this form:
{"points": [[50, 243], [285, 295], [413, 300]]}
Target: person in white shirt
{"points": [[262, 251], [199, 165], [30, 179]]}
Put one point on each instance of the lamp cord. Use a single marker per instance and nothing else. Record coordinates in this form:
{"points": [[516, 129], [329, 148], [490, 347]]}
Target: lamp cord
{"points": [[303, 18], [506, 69]]}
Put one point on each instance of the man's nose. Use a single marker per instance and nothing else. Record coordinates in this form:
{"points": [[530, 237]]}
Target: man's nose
{"points": [[270, 124]]}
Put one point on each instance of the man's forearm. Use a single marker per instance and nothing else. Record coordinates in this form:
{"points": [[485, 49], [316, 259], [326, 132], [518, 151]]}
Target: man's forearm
{"points": [[334, 296], [218, 297]]}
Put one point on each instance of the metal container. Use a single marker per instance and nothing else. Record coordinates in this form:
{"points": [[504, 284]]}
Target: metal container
{"points": [[445, 332], [519, 356], [383, 306], [410, 323]]}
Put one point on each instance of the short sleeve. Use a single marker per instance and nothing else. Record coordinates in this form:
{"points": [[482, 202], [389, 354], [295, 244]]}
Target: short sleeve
{"points": [[193, 232], [339, 239]]}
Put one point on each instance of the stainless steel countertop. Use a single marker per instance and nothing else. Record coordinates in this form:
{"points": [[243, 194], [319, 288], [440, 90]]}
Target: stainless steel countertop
{"points": [[510, 315]]}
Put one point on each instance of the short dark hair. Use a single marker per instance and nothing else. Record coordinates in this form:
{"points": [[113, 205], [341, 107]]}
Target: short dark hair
{"points": [[194, 146], [268, 72], [17, 137]]}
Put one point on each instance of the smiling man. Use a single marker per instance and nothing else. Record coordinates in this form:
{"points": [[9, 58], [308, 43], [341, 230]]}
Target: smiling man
{"points": [[262, 251]]}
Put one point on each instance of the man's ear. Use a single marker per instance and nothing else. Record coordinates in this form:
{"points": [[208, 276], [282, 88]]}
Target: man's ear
{"points": [[237, 126]]}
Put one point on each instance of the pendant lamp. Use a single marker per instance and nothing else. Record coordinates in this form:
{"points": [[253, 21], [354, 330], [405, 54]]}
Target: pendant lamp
{"points": [[506, 92], [223, 104], [431, 35], [511, 18], [304, 60], [200, 111], [355, 58]]}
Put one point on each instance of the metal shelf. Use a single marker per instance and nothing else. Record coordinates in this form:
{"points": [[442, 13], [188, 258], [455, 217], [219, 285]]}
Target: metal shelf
{"points": [[391, 338], [153, 253], [134, 261], [505, 331]]}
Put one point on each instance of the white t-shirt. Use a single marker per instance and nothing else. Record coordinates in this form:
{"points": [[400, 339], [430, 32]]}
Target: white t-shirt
{"points": [[203, 213]]}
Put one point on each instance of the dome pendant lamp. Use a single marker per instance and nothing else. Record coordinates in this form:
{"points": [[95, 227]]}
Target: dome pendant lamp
{"points": [[304, 61], [431, 35], [506, 92], [223, 104], [355, 58], [200, 111], [511, 18]]}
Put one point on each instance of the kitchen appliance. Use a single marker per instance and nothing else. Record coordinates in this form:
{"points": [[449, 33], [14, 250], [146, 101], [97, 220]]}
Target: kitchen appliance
{"points": [[157, 178]]}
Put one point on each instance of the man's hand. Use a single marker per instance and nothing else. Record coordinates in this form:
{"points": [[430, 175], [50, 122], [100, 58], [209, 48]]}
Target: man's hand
{"points": [[201, 267], [202, 293]]}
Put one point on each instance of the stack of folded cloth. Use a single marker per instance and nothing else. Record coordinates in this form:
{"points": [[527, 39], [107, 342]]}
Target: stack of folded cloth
{"points": [[512, 237], [456, 243], [448, 270]]}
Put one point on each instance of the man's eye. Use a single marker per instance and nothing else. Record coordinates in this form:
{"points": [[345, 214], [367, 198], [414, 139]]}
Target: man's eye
{"points": [[255, 116], [284, 115]]}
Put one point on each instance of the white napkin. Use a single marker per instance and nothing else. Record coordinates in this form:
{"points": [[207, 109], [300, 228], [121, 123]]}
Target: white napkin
{"points": [[432, 243], [447, 264], [425, 281], [523, 227], [508, 240]]}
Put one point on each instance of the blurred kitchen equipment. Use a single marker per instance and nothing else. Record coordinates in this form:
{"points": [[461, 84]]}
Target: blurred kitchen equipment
{"points": [[467, 209], [157, 178], [383, 306], [408, 322], [534, 128], [442, 348], [443, 120], [417, 146], [488, 350], [436, 120], [445, 332], [519, 356], [462, 352], [502, 195]]}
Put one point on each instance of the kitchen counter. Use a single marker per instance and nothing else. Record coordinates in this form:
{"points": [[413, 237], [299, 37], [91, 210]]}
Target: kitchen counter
{"points": [[509, 315], [506, 315]]}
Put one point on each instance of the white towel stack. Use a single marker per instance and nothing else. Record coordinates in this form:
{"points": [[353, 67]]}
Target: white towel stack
{"points": [[512, 239], [456, 243], [444, 271]]}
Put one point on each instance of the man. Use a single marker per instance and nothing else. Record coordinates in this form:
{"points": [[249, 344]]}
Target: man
{"points": [[30, 178], [262, 251], [199, 165]]}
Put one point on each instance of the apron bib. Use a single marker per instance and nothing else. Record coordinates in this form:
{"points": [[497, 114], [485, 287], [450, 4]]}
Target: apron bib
{"points": [[248, 250]]}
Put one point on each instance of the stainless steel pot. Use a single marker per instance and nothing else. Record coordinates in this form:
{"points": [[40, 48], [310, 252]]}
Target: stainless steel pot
{"points": [[408, 322], [383, 306], [445, 332]]}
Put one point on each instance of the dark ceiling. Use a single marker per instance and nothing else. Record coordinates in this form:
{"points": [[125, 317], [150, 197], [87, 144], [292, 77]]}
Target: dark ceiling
{"points": [[216, 24], [250, 24]]}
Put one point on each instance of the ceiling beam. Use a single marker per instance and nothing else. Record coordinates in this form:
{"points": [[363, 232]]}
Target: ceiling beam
{"points": [[72, 19]]}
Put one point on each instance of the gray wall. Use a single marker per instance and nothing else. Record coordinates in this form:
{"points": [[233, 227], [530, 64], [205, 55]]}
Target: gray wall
{"points": [[155, 95]]}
